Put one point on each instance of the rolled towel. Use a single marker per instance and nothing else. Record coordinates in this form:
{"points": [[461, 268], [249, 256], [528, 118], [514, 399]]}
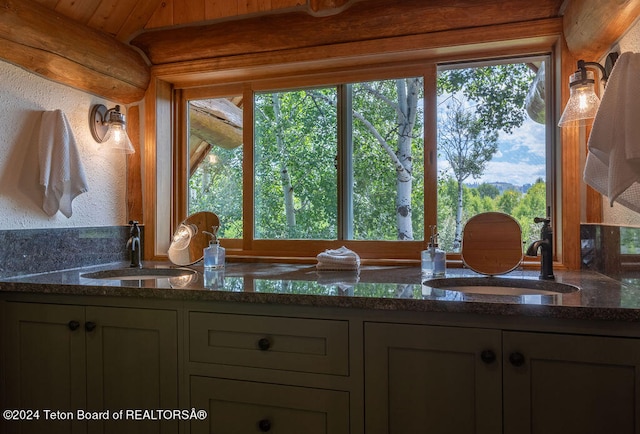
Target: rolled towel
{"points": [[338, 259]]}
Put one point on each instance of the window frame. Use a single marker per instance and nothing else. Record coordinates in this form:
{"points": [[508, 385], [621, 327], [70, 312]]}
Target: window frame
{"points": [[305, 250]]}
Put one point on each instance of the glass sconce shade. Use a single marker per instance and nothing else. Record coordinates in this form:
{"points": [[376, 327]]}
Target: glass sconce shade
{"points": [[108, 127], [117, 140], [583, 102]]}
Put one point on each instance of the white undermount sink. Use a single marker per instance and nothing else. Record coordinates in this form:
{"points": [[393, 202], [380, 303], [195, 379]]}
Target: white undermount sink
{"points": [[501, 286]]}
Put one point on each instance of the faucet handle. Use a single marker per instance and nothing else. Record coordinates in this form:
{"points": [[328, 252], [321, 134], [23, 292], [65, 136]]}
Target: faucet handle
{"points": [[545, 220], [135, 230]]}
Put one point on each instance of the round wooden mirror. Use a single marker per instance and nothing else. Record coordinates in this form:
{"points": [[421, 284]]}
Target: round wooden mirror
{"points": [[189, 239], [492, 243]]}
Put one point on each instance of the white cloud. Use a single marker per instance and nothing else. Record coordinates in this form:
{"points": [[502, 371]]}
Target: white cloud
{"points": [[530, 137], [514, 173]]}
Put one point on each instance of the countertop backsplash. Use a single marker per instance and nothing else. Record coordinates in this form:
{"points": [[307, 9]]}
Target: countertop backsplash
{"points": [[611, 250], [29, 251]]}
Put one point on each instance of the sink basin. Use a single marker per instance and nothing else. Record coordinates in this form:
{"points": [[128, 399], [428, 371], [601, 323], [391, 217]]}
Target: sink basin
{"points": [[139, 273], [501, 286]]}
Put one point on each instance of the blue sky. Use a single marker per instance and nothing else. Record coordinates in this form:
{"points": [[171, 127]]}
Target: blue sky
{"points": [[520, 158]]}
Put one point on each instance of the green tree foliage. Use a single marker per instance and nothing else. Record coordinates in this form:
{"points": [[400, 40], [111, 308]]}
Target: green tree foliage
{"points": [[488, 190], [220, 172], [629, 241], [387, 160], [468, 146], [498, 91], [508, 201], [296, 140], [296, 143], [533, 204], [523, 207]]}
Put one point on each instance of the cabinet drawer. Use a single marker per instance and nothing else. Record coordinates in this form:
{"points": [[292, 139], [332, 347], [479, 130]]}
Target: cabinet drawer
{"points": [[246, 407], [290, 344]]}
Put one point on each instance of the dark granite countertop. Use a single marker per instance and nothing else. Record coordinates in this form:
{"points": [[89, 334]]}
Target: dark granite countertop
{"points": [[373, 287]]}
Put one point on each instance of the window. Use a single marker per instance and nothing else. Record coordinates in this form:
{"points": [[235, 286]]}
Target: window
{"points": [[492, 147], [340, 162], [215, 161], [295, 178], [359, 162]]}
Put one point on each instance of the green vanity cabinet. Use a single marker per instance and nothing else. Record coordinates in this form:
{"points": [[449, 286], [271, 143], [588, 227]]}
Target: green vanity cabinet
{"points": [[263, 373], [570, 384], [71, 358], [246, 407], [433, 379]]}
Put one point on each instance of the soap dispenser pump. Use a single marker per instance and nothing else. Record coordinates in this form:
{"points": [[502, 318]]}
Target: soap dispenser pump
{"points": [[214, 255], [433, 259]]}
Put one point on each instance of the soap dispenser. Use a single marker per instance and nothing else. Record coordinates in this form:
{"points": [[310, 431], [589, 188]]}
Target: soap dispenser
{"points": [[433, 259], [214, 255]]}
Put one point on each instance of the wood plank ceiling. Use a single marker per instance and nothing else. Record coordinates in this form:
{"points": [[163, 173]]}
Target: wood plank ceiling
{"points": [[124, 19], [79, 42]]}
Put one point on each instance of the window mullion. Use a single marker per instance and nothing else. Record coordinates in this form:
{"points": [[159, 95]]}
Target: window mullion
{"points": [[345, 162]]}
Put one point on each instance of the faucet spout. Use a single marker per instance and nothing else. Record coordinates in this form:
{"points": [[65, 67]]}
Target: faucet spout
{"points": [[533, 248], [134, 245]]}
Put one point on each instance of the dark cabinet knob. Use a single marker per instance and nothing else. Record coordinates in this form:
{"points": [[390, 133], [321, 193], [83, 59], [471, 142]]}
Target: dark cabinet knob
{"points": [[264, 425], [73, 325], [264, 344], [488, 356], [89, 326], [516, 359]]}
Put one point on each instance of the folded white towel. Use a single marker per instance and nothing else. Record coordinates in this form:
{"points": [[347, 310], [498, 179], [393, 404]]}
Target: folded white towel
{"points": [[613, 162], [338, 259], [61, 171]]}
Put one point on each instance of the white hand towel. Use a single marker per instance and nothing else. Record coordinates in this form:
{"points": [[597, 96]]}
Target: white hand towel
{"points": [[613, 162], [338, 259], [61, 171]]}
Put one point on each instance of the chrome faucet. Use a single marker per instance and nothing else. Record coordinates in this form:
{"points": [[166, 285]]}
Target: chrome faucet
{"points": [[545, 244], [133, 245]]}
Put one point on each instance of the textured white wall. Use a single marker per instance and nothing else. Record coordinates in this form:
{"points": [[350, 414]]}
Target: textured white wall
{"points": [[619, 215], [23, 96]]}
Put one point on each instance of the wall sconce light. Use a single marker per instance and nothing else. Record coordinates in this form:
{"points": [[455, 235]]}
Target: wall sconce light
{"points": [[583, 102], [110, 128]]}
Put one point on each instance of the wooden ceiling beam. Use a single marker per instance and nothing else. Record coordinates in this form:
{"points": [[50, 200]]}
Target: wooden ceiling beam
{"points": [[449, 46], [361, 21], [591, 27], [56, 47], [328, 7]]}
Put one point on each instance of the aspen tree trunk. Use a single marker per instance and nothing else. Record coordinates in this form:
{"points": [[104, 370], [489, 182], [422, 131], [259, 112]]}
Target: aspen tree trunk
{"points": [[285, 177], [457, 240], [406, 117]]}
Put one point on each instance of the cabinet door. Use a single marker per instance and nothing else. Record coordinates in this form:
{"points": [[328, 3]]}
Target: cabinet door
{"points": [[44, 350], [571, 384], [249, 407], [425, 379], [132, 364]]}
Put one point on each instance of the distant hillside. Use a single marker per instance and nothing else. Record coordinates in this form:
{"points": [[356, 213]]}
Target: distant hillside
{"points": [[502, 186]]}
